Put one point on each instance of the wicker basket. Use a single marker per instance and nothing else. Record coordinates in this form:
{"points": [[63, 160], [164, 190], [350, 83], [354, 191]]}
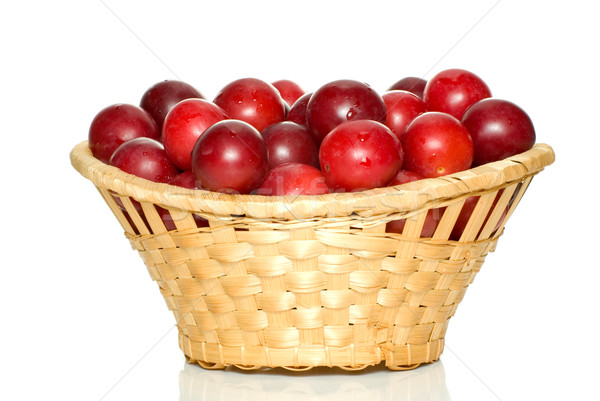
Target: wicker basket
{"points": [[299, 282]]}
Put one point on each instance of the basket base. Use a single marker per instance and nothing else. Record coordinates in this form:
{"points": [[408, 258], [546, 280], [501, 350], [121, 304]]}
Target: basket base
{"points": [[351, 357]]}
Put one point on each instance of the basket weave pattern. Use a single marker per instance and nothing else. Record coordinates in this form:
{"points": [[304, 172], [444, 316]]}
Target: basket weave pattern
{"points": [[299, 282]]}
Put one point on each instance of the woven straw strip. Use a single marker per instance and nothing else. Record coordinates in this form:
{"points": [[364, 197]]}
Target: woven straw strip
{"points": [[352, 357], [414, 195], [299, 282]]}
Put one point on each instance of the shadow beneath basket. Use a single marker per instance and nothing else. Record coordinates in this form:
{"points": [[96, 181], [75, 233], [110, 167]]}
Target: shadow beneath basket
{"points": [[375, 383]]}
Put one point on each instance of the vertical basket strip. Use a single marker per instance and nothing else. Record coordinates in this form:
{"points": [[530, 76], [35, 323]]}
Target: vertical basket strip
{"points": [[299, 282]]}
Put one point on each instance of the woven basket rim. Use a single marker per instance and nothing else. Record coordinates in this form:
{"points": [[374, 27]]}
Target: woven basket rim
{"points": [[407, 197]]}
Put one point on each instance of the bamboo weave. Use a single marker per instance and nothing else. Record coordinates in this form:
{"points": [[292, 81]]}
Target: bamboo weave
{"points": [[299, 282]]}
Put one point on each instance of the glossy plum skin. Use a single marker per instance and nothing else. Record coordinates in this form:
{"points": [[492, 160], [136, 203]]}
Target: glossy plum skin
{"points": [[411, 84], [340, 101], [145, 158], [160, 98], [183, 126], [402, 108], [289, 90], [288, 142], [453, 91], [293, 179], [404, 176], [297, 113], [499, 129], [230, 157], [251, 100], [116, 124], [169, 223], [436, 144], [467, 210], [185, 179], [432, 218], [359, 155]]}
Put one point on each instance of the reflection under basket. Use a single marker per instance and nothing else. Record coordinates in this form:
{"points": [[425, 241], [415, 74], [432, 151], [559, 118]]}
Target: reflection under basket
{"points": [[374, 384]]}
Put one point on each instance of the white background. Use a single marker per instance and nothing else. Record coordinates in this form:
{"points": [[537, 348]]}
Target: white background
{"points": [[83, 321]]}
